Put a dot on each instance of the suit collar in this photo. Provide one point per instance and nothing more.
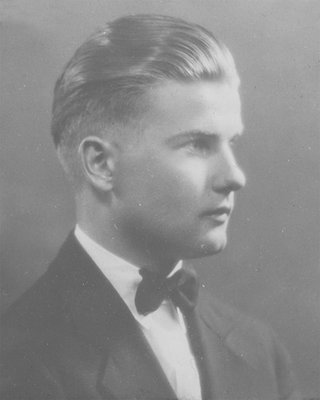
(123, 275)
(101, 318)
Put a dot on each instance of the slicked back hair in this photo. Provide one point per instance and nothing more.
(105, 80)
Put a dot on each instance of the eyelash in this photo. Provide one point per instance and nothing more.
(198, 145)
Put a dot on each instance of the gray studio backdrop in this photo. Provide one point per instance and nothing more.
(270, 269)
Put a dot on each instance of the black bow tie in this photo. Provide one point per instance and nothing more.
(182, 288)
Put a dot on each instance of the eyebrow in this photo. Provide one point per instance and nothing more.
(189, 135)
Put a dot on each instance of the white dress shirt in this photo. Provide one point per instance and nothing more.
(164, 328)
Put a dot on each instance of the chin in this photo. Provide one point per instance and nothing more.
(214, 245)
(206, 249)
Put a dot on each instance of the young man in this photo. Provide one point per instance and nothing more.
(145, 115)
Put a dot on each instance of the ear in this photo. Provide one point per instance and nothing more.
(98, 162)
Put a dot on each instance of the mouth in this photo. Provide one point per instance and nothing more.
(219, 214)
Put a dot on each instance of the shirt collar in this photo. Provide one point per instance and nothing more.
(123, 275)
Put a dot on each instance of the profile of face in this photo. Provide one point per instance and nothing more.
(174, 187)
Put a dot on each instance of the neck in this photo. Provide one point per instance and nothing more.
(99, 224)
(147, 257)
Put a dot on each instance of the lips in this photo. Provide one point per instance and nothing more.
(218, 211)
(219, 214)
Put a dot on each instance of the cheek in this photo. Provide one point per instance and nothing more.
(177, 185)
(164, 185)
(193, 175)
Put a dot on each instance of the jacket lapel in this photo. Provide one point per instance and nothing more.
(234, 357)
(127, 368)
(200, 350)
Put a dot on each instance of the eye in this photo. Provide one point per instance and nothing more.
(199, 146)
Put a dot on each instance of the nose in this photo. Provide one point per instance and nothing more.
(237, 179)
(229, 177)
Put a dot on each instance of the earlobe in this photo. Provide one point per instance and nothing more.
(98, 160)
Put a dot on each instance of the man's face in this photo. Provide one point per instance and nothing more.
(174, 187)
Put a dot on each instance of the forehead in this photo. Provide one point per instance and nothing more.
(208, 106)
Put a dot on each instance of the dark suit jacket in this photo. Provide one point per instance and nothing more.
(71, 337)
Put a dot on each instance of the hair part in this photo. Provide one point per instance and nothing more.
(104, 82)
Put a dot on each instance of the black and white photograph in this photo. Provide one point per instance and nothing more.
(160, 200)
